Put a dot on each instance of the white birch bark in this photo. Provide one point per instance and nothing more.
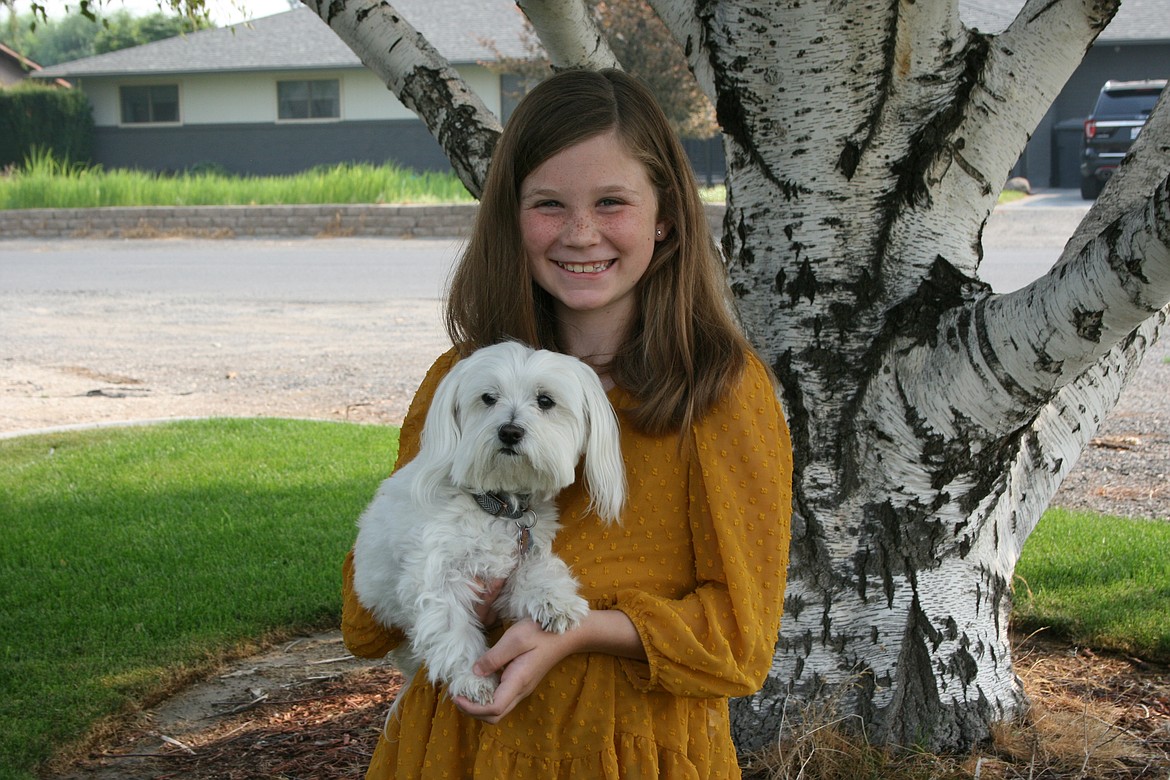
(569, 34)
(932, 420)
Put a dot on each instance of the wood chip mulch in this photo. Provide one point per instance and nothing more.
(319, 730)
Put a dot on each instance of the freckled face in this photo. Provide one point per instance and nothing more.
(588, 217)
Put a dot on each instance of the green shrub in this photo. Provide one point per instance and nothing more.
(50, 119)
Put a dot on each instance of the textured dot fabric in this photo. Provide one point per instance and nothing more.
(698, 564)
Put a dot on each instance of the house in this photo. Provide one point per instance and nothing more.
(15, 68)
(1135, 46)
(282, 93)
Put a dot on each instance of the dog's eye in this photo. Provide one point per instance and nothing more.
(488, 399)
(545, 401)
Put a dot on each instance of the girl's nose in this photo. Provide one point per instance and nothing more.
(581, 230)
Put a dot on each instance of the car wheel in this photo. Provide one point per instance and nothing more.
(1090, 187)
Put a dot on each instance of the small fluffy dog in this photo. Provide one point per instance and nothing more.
(503, 436)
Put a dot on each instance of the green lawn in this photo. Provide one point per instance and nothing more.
(131, 557)
(1098, 581)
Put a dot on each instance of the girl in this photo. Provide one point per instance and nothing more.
(591, 240)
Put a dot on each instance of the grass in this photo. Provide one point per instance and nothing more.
(135, 558)
(43, 182)
(1103, 582)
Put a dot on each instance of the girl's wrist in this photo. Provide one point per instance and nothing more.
(607, 631)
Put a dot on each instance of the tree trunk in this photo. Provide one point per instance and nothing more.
(932, 420)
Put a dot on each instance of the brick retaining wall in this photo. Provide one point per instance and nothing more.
(447, 221)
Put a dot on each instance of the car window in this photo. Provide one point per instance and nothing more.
(1130, 103)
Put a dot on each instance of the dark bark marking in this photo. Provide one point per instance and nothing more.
(804, 285)
(1088, 324)
(929, 143)
(944, 288)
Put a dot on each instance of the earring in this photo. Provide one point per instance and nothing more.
(658, 233)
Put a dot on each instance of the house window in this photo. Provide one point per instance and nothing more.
(309, 99)
(146, 104)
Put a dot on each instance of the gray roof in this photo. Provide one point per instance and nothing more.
(1137, 21)
(464, 31)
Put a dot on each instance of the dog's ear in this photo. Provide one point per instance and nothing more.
(605, 473)
(441, 432)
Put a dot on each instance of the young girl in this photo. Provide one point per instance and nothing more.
(591, 240)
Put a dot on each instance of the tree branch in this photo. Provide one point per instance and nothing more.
(1113, 274)
(684, 25)
(421, 78)
(1025, 68)
(569, 33)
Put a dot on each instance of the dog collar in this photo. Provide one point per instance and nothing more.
(500, 506)
(515, 510)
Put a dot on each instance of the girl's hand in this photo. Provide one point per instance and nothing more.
(485, 607)
(525, 654)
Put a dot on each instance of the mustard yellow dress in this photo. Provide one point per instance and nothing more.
(698, 564)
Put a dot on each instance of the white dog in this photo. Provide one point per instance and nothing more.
(503, 436)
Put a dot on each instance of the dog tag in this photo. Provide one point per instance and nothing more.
(523, 539)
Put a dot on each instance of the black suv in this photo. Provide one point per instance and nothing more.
(1121, 111)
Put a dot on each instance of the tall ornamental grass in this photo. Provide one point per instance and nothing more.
(42, 181)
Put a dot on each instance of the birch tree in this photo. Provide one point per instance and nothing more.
(932, 419)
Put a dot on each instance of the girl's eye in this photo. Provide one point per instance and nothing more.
(488, 399)
(545, 402)
(609, 202)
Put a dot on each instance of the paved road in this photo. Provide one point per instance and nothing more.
(344, 269)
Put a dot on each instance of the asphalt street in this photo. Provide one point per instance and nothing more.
(339, 270)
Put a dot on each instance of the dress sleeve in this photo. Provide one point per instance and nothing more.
(363, 634)
(719, 640)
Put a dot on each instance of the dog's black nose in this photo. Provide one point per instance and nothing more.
(510, 434)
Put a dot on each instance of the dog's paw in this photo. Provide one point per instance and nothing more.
(480, 690)
(559, 618)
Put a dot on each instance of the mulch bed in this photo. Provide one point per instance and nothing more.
(1096, 716)
(319, 730)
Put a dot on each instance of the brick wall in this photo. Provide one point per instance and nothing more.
(449, 221)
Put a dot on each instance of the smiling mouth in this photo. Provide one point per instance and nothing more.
(585, 268)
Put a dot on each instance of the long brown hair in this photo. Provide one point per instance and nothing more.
(684, 349)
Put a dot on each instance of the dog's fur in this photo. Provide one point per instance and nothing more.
(507, 420)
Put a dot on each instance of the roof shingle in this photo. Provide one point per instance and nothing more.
(464, 31)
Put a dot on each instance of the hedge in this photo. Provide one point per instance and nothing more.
(44, 118)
